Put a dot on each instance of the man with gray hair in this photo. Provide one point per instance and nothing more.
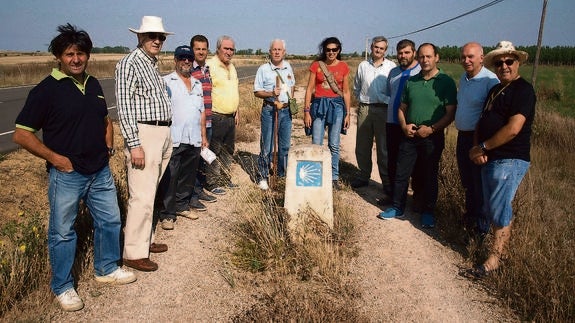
(474, 85)
(225, 113)
(274, 84)
(370, 89)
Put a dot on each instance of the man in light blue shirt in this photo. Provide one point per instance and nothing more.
(274, 84)
(188, 132)
(474, 85)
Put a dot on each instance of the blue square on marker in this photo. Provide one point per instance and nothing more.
(308, 173)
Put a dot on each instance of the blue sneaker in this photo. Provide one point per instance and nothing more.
(390, 213)
(427, 220)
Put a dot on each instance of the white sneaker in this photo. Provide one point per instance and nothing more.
(263, 184)
(117, 277)
(70, 301)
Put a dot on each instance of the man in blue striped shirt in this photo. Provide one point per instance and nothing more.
(145, 113)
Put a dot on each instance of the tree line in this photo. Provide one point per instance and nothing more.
(558, 55)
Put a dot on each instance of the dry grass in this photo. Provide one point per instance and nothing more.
(29, 69)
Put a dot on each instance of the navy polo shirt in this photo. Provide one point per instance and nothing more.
(71, 116)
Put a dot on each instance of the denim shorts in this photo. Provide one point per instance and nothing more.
(501, 179)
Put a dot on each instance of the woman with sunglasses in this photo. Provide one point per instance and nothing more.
(502, 145)
(327, 100)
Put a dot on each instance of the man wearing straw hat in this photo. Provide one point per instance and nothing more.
(145, 114)
(502, 146)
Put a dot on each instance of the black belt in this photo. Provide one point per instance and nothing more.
(379, 105)
(157, 123)
(223, 114)
(466, 133)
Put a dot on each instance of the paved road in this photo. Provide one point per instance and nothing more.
(12, 100)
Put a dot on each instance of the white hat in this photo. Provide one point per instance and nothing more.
(151, 24)
(504, 47)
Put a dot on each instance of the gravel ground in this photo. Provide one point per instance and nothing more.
(402, 272)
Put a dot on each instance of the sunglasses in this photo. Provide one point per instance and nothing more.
(332, 50)
(507, 62)
(183, 58)
(154, 36)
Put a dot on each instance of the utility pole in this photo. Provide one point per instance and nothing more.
(539, 40)
(366, 46)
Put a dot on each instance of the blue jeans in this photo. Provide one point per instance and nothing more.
(411, 150)
(501, 179)
(267, 140)
(470, 175)
(98, 191)
(333, 133)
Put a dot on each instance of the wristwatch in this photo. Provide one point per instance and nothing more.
(111, 151)
(482, 146)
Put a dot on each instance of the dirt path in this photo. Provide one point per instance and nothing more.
(402, 272)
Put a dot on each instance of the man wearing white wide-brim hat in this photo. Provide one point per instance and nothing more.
(145, 114)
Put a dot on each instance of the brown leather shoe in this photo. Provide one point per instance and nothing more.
(144, 264)
(158, 247)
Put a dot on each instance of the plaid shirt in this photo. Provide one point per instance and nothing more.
(203, 75)
(141, 94)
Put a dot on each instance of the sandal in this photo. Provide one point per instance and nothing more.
(477, 272)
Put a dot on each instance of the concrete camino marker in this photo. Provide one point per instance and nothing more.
(308, 184)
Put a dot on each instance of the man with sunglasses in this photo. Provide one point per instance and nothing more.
(145, 113)
(188, 137)
(502, 146)
(474, 85)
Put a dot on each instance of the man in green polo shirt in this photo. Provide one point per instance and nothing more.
(427, 107)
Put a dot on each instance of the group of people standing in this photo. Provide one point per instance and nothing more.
(166, 122)
(493, 114)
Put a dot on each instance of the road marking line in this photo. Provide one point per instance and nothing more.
(6, 133)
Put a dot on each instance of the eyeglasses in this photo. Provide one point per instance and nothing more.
(507, 62)
(332, 50)
(184, 58)
(154, 36)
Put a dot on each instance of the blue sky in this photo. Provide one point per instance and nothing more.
(30, 24)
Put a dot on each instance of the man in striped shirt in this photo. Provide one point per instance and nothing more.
(145, 114)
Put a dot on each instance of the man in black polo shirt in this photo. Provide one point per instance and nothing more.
(69, 107)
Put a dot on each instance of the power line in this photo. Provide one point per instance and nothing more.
(446, 21)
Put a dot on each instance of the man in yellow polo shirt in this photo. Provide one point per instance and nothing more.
(225, 116)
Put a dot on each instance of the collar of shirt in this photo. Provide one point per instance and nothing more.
(274, 67)
(59, 75)
(142, 53)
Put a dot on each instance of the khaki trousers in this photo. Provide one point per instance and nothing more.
(142, 184)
